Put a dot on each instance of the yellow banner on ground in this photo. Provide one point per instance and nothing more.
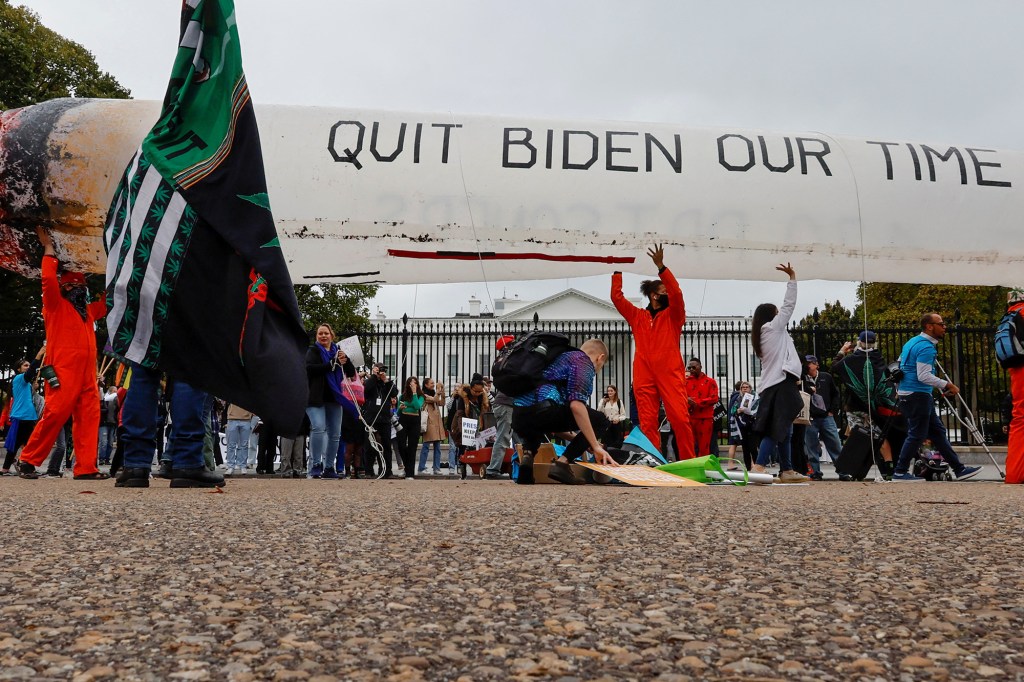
(638, 474)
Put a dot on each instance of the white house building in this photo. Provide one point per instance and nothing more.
(452, 349)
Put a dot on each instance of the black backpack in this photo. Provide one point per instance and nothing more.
(1009, 340)
(519, 366)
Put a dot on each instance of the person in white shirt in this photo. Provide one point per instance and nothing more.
(779, 388)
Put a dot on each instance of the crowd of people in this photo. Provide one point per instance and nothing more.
(361, 423)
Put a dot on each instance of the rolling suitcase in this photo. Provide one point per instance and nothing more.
(855, 459)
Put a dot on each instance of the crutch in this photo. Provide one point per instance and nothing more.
(968, 423)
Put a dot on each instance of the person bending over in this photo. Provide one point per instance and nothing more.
(559, 404)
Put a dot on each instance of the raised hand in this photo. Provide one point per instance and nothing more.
(657, 254)
(45, 239)
(787, 268)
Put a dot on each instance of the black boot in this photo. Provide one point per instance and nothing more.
(132, 478)
(196, 478)
(525, 469)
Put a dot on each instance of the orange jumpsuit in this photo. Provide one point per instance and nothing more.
(658, 368)
(71, 349)
(704, 391)
(1015, 446)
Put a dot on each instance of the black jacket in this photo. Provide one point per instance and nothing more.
(825, 386)
(374, 388)
(317, 371)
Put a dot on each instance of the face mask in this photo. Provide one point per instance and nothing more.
(79, 298)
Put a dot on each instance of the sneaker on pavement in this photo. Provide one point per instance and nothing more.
(792, 477)
(758, 469)
(230, 471)
(906, 477)
(845, 477)
(491, 476)
(330, 473)
(967, 472)
(316, 471)
(166, 470)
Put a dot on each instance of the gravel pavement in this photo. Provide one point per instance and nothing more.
(480, 580)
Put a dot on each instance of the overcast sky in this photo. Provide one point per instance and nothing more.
(931, 70)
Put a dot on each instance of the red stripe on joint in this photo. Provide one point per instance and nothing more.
(490, 255)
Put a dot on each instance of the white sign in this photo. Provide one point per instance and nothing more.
(469, 428)
(353, 350)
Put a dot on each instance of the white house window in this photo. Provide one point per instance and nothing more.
(721, 365)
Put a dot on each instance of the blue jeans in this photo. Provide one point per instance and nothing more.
(107, 432)
(821, 429)
(423, 456)
(238, 432)
(139, 416)
(59, 452)
(922, 423)
(324, 434)
(768, 444)
(188, 427)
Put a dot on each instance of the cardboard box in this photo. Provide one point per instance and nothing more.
(542, 463)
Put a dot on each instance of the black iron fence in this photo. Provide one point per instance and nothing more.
(451, 351)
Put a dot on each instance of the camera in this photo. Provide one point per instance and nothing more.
(48, 373)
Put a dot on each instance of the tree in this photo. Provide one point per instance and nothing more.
(343, 306)
(37, 64)
(834, 316)
(895, 305)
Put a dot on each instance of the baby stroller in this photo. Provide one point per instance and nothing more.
(930, 466)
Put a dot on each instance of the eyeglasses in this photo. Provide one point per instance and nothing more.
(939, 324)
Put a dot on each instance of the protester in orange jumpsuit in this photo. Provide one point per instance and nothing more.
(71, 351)
(658, 372)
(1015, 446)
(702, 393)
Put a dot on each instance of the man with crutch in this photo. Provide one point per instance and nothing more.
(917, 363)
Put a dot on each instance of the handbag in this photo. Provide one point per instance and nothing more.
(818, 407)
(424, 421)
(353, 388)
(804, 416)
(720, 411)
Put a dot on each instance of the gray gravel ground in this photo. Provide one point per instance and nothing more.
(447, 580)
